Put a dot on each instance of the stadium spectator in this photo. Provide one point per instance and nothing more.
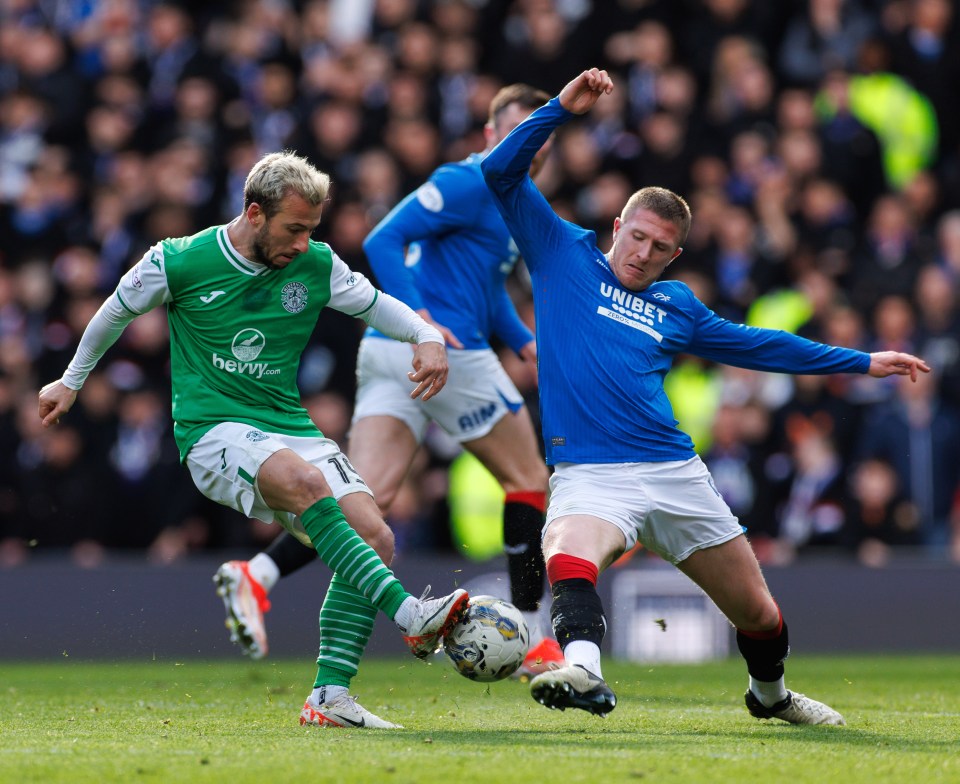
(226, 290)
(114, 156)
(879, 517)
(889, 255)
(918, 435)
(826, 35)
(607, 332)
(926, 52)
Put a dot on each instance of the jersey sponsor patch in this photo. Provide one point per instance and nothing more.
(632, 310)
(623, 317)
(255, 436)
(247, 344)
(293, 297)
(430, 197)
(135, 277)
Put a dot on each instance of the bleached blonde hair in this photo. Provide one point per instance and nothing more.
(278, 174)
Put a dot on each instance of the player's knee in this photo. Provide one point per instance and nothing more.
(381, 539)
(531, 477)
(311, 485)
(384, 496)
(541, 476)
(759, 616)
(295, 489)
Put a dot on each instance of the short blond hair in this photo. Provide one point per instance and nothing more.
(663, 203)
(523, 95)
(277, 175)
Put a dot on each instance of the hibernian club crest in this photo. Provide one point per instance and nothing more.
(293, 297)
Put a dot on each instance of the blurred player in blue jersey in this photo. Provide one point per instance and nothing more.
(607, 333)
(444, 251)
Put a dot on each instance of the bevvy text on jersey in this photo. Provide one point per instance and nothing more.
(632, 310)
(246, 347)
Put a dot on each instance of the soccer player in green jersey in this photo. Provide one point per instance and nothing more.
(242, 300)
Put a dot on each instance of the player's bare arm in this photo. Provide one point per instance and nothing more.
(896, 363)
(429, 370)
(56, 399)
(584, 91)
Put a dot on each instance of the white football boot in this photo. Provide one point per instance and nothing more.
(245, 601)
(432, 619)
(343, 712)
(795, 709)
(573, 686)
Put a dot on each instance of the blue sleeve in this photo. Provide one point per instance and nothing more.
(444, 203)
(538, 231)
(507, 324)
(771, 350)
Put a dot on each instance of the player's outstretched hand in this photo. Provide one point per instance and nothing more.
(896, 363)
(55, 401)
(429, 370)
(582, 93)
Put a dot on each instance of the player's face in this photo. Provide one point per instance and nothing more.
(512, 115)
(283, 236)
(643, 245)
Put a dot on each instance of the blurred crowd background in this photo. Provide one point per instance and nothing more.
(817, 141)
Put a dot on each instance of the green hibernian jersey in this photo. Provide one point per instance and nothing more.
(238, 329)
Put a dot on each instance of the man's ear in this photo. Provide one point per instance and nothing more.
(676, 253)
(255, 215)
(489, 134)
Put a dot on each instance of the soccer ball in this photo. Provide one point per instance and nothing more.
(491, 641)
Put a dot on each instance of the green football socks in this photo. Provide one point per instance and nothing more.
(344, 551)
(361, 585)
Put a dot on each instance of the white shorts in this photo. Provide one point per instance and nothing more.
(672, 508)
(477, 395)
(225, 462)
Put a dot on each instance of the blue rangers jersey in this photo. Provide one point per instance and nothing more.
(604, 350)
(458, 256)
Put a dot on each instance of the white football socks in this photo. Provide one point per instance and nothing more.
(584, 653)
(264, 571)
(326, 693)
(405, 613)
(768, 692)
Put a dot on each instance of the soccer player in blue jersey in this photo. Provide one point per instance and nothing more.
(444, 251)
(607, 333)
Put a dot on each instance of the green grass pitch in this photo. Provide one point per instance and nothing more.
(236, 721)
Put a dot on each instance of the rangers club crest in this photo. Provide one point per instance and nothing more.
(293, 297)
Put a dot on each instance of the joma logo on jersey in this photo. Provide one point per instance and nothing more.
(246, 347)
(478, 417)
